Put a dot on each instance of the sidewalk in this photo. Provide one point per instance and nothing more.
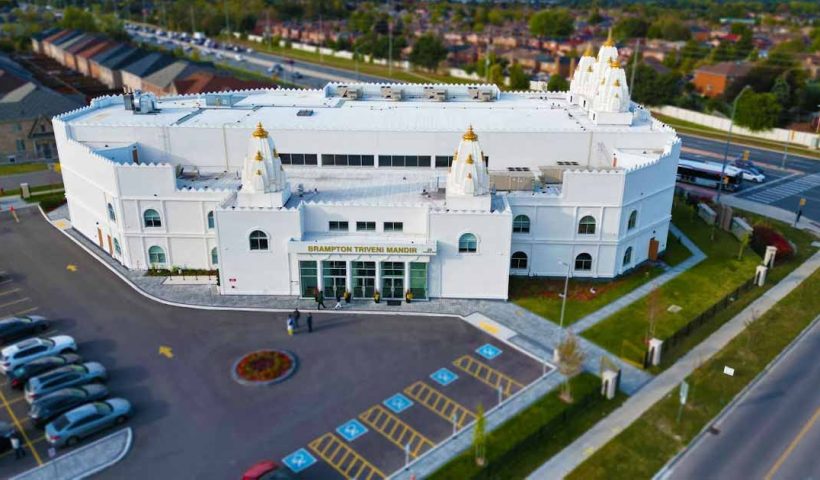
(573, 455)
(84, 461)
(771, 212)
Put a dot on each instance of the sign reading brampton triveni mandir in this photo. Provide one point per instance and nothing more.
(362, 249)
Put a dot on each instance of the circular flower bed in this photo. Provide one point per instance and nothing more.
(264, 367)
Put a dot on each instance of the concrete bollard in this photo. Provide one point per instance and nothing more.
(655, 346)
(768, 258)
(609, 384)
(760, 275)
(25, 191)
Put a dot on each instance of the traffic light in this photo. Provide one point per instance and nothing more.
(746, 154)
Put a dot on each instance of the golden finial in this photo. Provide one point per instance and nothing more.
(469, 159)
(470, 135)
(259, 172)
(609, 41)
(588, 51)
(260, 132)
(589, 69)
(615, 63)
(258, 156)
(469, 176)
(617, 82)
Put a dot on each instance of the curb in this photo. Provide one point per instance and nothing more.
(667, 469)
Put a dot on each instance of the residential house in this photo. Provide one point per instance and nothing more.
(713, 80)
(72, 51)
(205, 81)
(52, 43)
(161, 81)
(133, 73)
(84, 57)
(37, 39)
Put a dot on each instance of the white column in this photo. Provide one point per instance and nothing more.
(319, 278)
(406, 276)
(379, 277)
(349, 276)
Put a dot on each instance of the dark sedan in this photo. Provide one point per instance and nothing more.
(21, 374)
(46, 408)
(15, 328)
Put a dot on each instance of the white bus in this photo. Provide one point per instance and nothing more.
(709, 174)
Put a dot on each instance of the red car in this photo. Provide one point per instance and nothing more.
(267, 470)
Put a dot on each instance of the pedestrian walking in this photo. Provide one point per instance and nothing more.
(310, 322)
(799, 214)
(320, 300)
(290, 325)
(19, 452)
(338, 302)
(296, 315)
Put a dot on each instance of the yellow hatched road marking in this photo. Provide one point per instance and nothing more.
(431, 398)
(344, 459)
(488, 375)
(378, 418)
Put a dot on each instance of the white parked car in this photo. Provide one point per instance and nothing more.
(753, 175)
(238, 57)
(23, 352)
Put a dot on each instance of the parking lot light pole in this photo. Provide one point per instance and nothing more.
(729, 140)
(455, 427)
(500, 395)
(564, 302)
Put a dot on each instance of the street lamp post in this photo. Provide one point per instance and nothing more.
(564, 302)
(729, 140)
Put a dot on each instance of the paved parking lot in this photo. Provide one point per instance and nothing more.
(366, 387)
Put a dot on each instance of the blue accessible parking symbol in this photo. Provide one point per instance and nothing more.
(351, 430)
(488, 351)
(299, 460)
(398, 403)
(444, 376)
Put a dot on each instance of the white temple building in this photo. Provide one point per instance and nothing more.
(441, 190)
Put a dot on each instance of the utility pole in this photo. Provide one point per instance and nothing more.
(789, 138)
(487, 61)
(193, 21)
(390, 46)
(634, 66)
(728, 141)
(227, 24)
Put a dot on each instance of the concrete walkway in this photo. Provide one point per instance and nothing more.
(573, 455)
(771, 212)
(640, 292)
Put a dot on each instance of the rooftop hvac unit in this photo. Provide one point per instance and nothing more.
(390, 93)
(482, 95)
(435, 94)
(220, 100)
(144, 103)
(128, 100)
(348, 92)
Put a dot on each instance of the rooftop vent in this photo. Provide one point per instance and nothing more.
(220, 100)
(304, 113)
(480, 94)
(390, 93)
(435, 94)
(141, 103)
(348, 92)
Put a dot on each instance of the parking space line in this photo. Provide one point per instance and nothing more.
(12, 402)
(401, 434)
(3, 282)
(344, 459)
(20, 428)
(28, 310)
(440, 404)
(13, 302)
(487, 375)
(13, 290)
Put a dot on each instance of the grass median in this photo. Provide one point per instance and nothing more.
(513, 448)
(652, 440)
(15, 169)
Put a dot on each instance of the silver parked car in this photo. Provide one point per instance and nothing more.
(63, 377)
(33, 348)
(87, 420)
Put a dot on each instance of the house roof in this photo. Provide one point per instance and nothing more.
(84, 43)
(23, 99)
(726, 69)
(68, 40)
(203, 81)
(97, 48)
(148, 64)
(111, 53)
(61, 36)
(123, 58)
(45, 33)
(165, 76)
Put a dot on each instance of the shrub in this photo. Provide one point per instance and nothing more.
(764, 235)
(50, 202)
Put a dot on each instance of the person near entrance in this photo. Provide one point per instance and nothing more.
(320, 300)
(338, 302)
(310, 323)
(295, 316)
(17, 446)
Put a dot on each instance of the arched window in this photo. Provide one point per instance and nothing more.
(587, 225)
(467, 243)
(628, 256)
(156, 255)
(211, 220)
(151, 218)
(519, 261)
(258, 240)
(214, 256)
(521, 224)
(583, 262)
(117, 248)
(633, 220)
(111, 215)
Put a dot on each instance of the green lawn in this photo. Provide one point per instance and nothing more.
(513, 443)
(542, 295)
(675, 252)
(652, 440)
(695, 290)
(13, 169)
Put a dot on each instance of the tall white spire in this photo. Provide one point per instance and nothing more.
(264, 183)
(468, 182)
(613, 93)
(582, 85)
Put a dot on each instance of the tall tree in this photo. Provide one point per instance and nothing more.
(757, 111)
(519, 80)
(555, 22)
(428, 52)
(557, 83)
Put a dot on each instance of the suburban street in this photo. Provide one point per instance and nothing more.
(772, 432)
(43, 177)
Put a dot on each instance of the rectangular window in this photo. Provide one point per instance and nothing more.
(308, 278)
(418, 279)
(393, 226)
(354, 160)
(364, 279)
(298, 158)
(21, 145)
(311, 159)
(336, 226)
(334, 274)
(285, 158)
(424, 160)
(384, 160)
(365, 226)
(368, 160)
(327, 159)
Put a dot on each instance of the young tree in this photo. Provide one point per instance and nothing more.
(497, 74)
(519, 80)
(630, 27)
(555, 22)
(480, 437)
(570, 362)
(557, 83)
(428, 52)
(757, 111)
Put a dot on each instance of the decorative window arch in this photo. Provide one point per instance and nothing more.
(518, 261)
(583, 262)
(258, 240)
(633, 220)
(628, 256)
(156, 255)
(467, 243)
(211, 222)
(151, 218)
(214, 256)
(111, 215)
(587, 225)
(521, 224)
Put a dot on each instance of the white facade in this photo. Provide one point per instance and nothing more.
(349, 189)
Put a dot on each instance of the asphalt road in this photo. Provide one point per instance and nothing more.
(43, 177)
(774, 430)
(191, 419)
